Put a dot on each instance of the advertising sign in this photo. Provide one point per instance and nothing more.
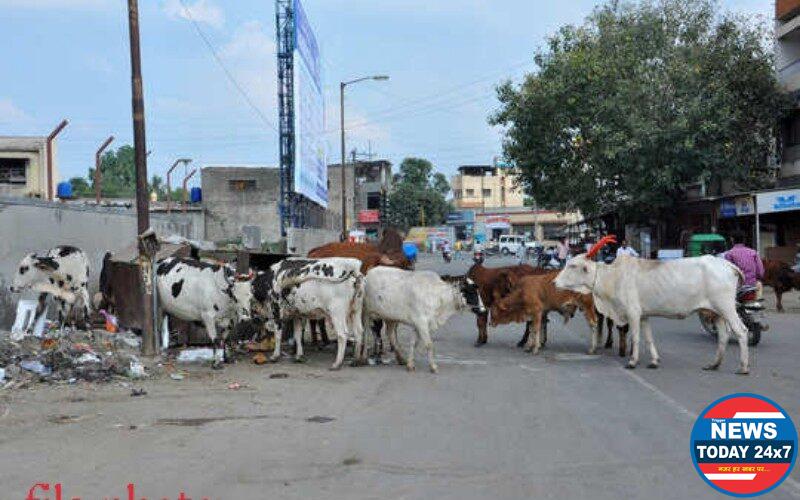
(741, 205)
(369, 216)
(778, 201)
(310, 165)
(744, 445)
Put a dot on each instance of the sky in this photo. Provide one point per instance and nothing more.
(70, 59)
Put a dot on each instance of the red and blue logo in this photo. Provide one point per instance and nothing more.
(744, 445)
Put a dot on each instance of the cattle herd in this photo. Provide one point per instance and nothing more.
(354, 290)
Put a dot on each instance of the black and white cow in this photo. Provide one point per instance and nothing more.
(194, 290)
(299, 289)
(62, 273)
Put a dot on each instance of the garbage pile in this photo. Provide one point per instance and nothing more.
(96, 356)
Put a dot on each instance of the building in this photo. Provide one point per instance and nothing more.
(482, 186)
(367, 186)
(787, 61)
(23, 167)
(238, 196)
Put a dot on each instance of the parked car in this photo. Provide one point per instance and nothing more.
(509, 244)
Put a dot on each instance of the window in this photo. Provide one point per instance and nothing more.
(242, 184)
(456, 194)
(487, 193)
(470, 192)
(12, 171)
(373, 201)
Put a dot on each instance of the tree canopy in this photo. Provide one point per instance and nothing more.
(418, 196)
(119, 178)
(639, 101)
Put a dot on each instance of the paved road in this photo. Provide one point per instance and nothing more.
(494, 423)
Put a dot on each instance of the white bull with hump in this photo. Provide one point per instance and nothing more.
(631, 291)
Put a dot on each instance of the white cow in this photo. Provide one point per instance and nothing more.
(300, 289)
(420, 299)
(632, 290)
(63, 273)
(193, 290)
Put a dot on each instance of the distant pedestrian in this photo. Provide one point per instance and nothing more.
(521, 254)
(624, 249)
(562, 252)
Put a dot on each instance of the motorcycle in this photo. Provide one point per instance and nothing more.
(447, 256)
(751, 312)
(477, 256)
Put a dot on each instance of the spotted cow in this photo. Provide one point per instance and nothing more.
(194, 290)
(299, 289)
(62, 273)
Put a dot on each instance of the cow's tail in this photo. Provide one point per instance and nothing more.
(355, 308)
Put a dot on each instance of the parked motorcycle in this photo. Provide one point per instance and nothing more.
(751, 312)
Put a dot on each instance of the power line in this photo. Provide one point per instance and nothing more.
(227, 72)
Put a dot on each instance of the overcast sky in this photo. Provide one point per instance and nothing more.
(69, 59)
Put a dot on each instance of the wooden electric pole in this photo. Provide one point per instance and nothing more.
(145, 239)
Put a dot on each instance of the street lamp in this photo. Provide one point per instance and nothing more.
(342, 85)
(185, 162)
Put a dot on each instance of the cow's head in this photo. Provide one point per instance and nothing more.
(578, 275)
(31, 270)
(469, 292)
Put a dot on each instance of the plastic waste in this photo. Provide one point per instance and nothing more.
(87, 357)
(26, 314)
(35, 366)
(199, 354)
(136, 369)
(165, 333)
(2, 374)
(112, 323)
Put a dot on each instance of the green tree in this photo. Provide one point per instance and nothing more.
(118, 173)
(80, 187)
(418, 195)
(642, 99)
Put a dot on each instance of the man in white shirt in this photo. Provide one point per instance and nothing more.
(624, 249)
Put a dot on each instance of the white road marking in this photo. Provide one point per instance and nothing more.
(659, 393)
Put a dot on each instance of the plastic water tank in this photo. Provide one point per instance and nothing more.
(196, 195)
(64, 190)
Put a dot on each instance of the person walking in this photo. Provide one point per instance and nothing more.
(562, 252)
(624, 249)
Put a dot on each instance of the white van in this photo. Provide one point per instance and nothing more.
(509, 244)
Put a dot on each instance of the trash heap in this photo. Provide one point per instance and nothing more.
(96, 356)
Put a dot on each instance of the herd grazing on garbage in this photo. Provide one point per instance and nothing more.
(356, 290)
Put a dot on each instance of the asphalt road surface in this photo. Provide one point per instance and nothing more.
(494, 423)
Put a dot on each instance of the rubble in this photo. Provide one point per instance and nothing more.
(69, 357)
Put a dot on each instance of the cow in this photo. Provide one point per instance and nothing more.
(493, 284)
(62, 272)
(420, 299)
(198, 291)
(781, 278)
(622, 334)
(387, 252)
(632, 290)
(532, 297)
(298, 289)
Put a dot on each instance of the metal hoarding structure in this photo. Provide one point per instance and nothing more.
(301, 113)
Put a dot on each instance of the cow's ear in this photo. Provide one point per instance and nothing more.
(46, 264)
(585, 268)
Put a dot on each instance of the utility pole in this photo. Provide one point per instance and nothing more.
(147, 248)
(344, 191)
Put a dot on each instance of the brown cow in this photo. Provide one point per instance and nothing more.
(493, 284)
(781, 278)
(533, 296)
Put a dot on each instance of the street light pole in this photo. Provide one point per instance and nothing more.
(342, 86)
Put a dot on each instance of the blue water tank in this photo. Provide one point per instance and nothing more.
(64, 190)
(196, 195)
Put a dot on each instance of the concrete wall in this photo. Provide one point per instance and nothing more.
(36, 226)
(228, 207)
(300, 241)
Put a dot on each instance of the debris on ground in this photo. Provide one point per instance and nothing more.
(195, 355)
(96, 356)
(278, 375)
(235, 386)
(138, 392)
(176, 376)
(260, 358)
(265, 345)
